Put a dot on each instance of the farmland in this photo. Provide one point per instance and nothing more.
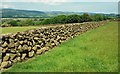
(93, 51)
(6, 30)
(59, 36)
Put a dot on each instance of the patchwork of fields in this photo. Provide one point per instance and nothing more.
(93, 51)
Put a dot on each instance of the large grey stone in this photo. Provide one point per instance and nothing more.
(25, 41)
(13, 50)
(21, 42)
(33, 42)
(19, 47)
(36, 38)
(6, 64)
(23, 56)
(17, 44)
(5, 44)
(18, 59)
(34, 48)
(11, 45)
(39, 52)
(42, 50)
(11, 40)
(31, 54)
(25, 47)
(4, 50)
(29, 48)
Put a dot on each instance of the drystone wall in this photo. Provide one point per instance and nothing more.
(24, 45)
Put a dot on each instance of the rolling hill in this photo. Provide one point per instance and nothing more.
(6, 13)
(17, 13)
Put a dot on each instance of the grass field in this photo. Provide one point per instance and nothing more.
(93, 51)
(16, 29)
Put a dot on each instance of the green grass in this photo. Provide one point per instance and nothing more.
(16, 29)
(93, 51)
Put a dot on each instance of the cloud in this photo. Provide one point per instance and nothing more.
(50, 2)
(5, 6)
(56, 1)
(93, 0)
(35, 1)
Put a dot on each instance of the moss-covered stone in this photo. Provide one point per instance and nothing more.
(12, 50)
(14, 60)
(12, 56)
(6, 57)
(6, 64)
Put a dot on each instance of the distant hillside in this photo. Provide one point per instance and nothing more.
(10, 13)
(16, 13)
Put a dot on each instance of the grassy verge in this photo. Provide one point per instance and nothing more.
(93, 51)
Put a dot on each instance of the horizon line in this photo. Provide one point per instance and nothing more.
(61, 11)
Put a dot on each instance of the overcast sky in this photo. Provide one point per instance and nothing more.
(102, 6)
(60, 0)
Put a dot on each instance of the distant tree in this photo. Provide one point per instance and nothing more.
(59, 19)
(86, 17)
(73, 18)
(62, 19)
(80, 19)
(13, 23)
(29, 22)
(97, 17)
(46, 21)
(105, 17)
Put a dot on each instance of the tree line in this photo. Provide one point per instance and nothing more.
(61, 19)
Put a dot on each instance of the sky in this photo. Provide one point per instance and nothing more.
(60, 0)
(97, 6)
